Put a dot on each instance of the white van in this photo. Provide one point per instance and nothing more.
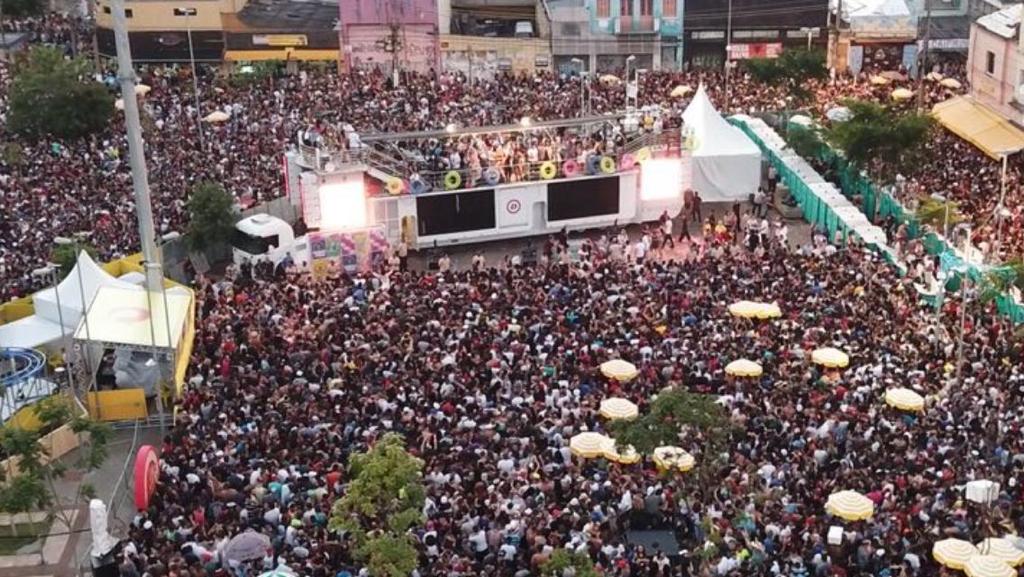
(263, 237)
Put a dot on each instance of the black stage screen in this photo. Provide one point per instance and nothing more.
(583, 198)
(458, 212)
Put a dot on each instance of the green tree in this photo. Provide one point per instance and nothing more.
(65, 255)
(212, 216)
(21, 8)
(880, 139)
(13, 155)
(934, 212)
(565, 563)
(381, 503)
(55, 96)
(678, 413)
(805, 141)
(793, 68)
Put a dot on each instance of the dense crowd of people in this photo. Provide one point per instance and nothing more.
(487, 372)
(54, 188)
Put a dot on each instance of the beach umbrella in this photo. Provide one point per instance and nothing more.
(217, 116)
(839, 114)
(1003, 549)
(588, 445)
(850, 505)
(902, 94)
(681, 91)
(904, 399)
(878, 80)
(743, 368)
(769, 311)
(247, 546)
(953, 553)
(893, 75)
(142, 89)
(830, 357)
(618, 408)
(609, 79)
(754, 310)
(987, 566)
(673, 458)
(934, 76)
(626, 455)
(950, 83)
(620, 370)
(801, 120)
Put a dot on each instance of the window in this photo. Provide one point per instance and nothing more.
(626, 7)
(106, 9)
(128, 13)
(990, 62)
(646, 7)
(604, 8)
(668, 8)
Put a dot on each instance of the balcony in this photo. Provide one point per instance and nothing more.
(637, 25)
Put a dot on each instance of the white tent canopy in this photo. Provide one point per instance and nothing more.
(136, 318)
(726, 164)
(30, 332)
(92, 276)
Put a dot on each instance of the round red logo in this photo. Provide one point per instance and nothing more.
(513, 206)
(129, 314)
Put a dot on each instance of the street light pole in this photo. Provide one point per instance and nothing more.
(137, 158)
(188, 13)
(728, 56)
(631, 58)
(965, 280)
(582, 97)
(999, 210)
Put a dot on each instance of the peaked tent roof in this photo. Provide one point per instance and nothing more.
(70, 293)
(714, 135)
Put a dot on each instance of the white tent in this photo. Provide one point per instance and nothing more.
(92, 276)
(726, 164)
(31, 332)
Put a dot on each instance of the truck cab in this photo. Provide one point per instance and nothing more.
(262, 237)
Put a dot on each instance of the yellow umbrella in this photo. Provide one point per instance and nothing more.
(879, 80)
(217, 116)
(625, 456)
(987, 566)
(934, 76)
(769, 311)
(681, 91)
(953, 553)
(902, 94)
(950, 83)
(618, 408)
(743, 368)
(904, 400)
(610, 79)
(673, 458)
(745, 309)
(850, 505)
(1002, 549)
(588, 445)
(142, 89)
(830, 357)
(619, 370)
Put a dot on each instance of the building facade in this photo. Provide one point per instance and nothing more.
(995, 65)
(390, 34)
(158, 30)
(758, 28)
(603, 34)
(481, 38)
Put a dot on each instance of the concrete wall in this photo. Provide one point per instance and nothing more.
(488, 56)
(998, 89)
(153, 15)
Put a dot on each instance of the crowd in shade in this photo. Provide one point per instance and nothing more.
(60, 188)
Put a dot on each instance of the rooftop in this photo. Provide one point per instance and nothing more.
(290, 14)
(1004, 22)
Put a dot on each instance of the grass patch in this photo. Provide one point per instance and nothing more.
(26, 534)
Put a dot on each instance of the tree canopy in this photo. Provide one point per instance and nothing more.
(22, 8)
(383, 500)
(212, 216)
(880, 137)
(55, 96)
(565, 563)
(792, 66)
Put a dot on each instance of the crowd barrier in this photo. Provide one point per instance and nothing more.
(820, 207)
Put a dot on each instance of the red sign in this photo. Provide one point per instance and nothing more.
(762, 50)
(147, 472)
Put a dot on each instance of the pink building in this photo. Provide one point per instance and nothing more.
(386, 33)
(995, 64)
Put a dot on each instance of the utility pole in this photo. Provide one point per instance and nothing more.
(392, 45)
(836, 25)
(188, 13)
(136, 157)
(728, 55)
(924, 53)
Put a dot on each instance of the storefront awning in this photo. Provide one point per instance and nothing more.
(308, 54)
(982, 127)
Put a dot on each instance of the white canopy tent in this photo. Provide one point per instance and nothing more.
(726, 164)
(44, 327)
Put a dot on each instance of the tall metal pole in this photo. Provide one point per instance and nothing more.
(924, 53)
(999, 211)
(728, 58)
(964, 281)
(136, 157)
(195, 77)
